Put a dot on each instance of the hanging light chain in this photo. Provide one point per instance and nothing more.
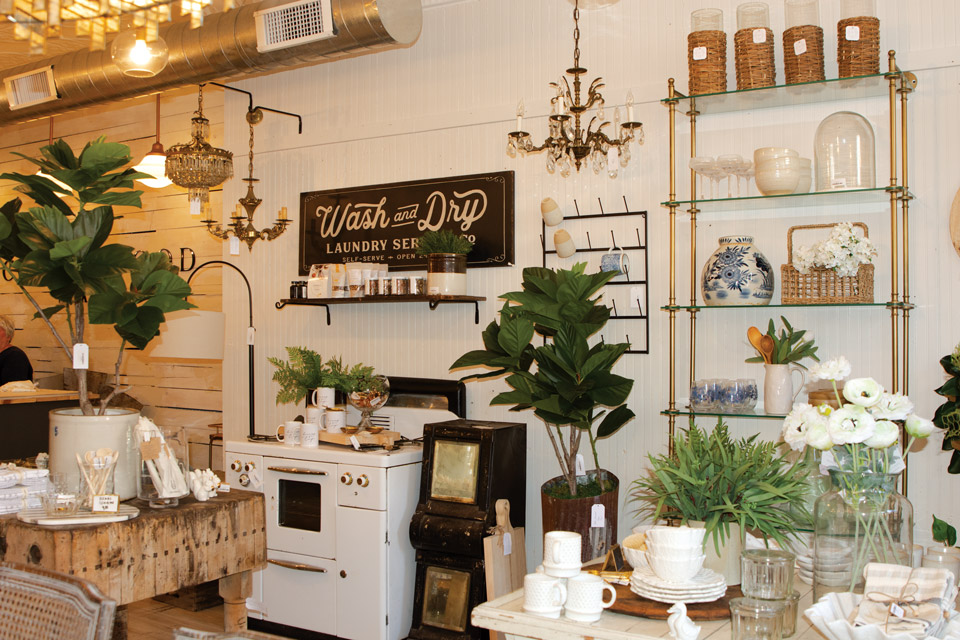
(250, 164)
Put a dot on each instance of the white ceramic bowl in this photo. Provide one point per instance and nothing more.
(776, 181)
(673, 550)
(806, 176)
(676, 569)
(679, 536)
(634, 550)
(766, 153)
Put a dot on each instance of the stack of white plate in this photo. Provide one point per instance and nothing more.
(706, 586)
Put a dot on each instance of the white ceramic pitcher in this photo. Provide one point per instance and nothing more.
(778, 393)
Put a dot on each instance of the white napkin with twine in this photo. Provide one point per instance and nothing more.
(899, 599)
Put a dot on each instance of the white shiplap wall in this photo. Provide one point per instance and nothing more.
(444, 106)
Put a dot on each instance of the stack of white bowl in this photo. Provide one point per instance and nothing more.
(780, 171)
(675, 554)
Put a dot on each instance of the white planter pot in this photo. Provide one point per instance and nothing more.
(71, 433)
(727, 562)
(446, 274)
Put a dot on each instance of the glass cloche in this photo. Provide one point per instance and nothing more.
(844, 150)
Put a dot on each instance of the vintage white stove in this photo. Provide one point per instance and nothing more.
(339, 556)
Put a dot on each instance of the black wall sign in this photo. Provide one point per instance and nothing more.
(382, 223)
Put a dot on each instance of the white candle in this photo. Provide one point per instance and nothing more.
(520, 116)
(283, 213)
(630, 106)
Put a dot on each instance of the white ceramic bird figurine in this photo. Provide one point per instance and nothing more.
(681, 626)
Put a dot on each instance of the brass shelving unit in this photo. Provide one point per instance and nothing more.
(896, 85)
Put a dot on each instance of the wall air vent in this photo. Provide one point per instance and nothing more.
(293, 24)
(30, 88)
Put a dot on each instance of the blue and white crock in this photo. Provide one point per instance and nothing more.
(737, 274)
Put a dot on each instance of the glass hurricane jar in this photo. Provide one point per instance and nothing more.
(861, 519)
(164, 468)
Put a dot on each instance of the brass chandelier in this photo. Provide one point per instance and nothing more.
(35, 21)
(568, 145)
(197, 165)
(241, 225)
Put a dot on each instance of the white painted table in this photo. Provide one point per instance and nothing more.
(506, 614)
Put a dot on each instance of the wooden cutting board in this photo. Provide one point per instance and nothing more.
(633, 605)
(505, 557)
(955, 222)
(387, 439)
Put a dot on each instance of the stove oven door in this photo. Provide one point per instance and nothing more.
(301, 499)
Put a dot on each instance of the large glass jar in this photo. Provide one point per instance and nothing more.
(844, 148)
(164, 467)
(861, 519)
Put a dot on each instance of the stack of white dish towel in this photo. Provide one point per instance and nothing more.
(20, 488)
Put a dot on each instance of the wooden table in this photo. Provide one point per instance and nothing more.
(159, 551)
(506, 614)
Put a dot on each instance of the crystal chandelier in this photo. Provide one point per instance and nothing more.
(242, 226)
(35, 21)
(569, 145)
(197, 165)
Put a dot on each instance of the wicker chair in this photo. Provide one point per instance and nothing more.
(39, 603)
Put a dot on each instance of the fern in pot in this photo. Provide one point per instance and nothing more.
(446, 255)
(59, 247)
(727, 486)
(572, 390)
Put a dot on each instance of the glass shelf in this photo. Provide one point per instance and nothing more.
(870, 86)
(877, 195)
(740, 414)
(898, 305)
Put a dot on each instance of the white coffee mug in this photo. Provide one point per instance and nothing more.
(561, 554)
(564, 244)
(314, 414)
(334, 420)
(289, 433)
(309, 435)
(543, 595)
(323, 397)
(551, 212)
(585, 600)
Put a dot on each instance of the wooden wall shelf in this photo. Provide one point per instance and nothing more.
(432, 302)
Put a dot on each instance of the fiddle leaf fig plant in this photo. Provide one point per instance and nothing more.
(573, 385)
(947, 415)
(60, 246)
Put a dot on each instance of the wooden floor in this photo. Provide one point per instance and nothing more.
(152, 620)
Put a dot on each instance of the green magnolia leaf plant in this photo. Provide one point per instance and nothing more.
(573, 384)
(60, 246)
(943, 532)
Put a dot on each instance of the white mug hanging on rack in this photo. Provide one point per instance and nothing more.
(564, 244)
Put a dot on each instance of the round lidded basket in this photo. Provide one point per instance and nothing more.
(802, 42)
(753, 47)
(858, 38)
(707, 52)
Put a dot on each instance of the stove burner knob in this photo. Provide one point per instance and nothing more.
(346, 478)
(343, 574)
(236, 465)
(244, 480)
(248, 467)
(363, 480)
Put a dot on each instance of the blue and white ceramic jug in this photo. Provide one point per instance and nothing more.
(737, 274)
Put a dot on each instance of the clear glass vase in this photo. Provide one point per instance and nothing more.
(861, 519)
(164, 467)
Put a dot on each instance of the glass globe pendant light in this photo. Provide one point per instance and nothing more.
(135, 56)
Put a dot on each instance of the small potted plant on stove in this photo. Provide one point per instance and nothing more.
(573, 386)
(446, 255)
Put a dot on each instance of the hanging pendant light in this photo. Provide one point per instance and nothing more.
(154, 163)
(197, 165)
(138, 54)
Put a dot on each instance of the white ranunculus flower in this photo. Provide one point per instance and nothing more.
(892, 406)
(794, 426)
(918, 427)
(850, 424)
(818, 436)
(833, 369)
(885, 434)
(864, 392)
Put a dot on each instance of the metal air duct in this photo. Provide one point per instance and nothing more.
(224, 46)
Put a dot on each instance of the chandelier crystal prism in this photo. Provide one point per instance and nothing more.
(197, 165)
(568, 144)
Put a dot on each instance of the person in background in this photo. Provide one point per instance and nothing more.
(14, 363)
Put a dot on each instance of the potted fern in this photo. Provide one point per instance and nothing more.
(59, 246)
(726, 486)
(446, 255)
(573, 388)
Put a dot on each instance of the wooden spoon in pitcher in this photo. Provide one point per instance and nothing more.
(756, 339)
(766, 348)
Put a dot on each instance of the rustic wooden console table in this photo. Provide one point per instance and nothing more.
(159, 551)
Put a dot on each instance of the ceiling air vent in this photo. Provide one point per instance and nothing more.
(293, 24)
(33, 87)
